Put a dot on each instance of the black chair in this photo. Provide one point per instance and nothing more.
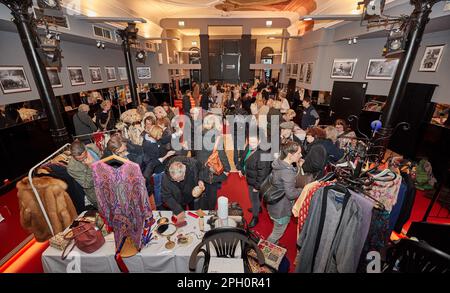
(225, 241)
(409, 256)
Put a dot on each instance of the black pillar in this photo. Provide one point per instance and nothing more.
(130, 71)
(420, 18)
(246, 48)
(28, 37)
(204, 57)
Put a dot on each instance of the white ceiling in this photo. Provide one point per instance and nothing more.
(155, 10)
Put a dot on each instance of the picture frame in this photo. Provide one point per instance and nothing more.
(301, 76)
(122, 73)
(13, 79)
(431, 58)
(381, 69)
(110, 73)
(53, 75)
(76, 75)
(144, 72)
(343, 68)
(96, 74)
(309, 72)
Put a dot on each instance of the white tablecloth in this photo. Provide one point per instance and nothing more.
(154, 258)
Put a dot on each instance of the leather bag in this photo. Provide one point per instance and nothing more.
(86, 237)
(214, 163)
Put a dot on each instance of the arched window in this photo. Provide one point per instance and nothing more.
(265, 53)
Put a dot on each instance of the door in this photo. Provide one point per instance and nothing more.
(230, 68)
(347, 98)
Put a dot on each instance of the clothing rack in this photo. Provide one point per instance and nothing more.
(36, 194)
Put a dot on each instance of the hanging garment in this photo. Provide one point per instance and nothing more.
(395, 213)
(327, 241)
(123, 200)
(408, 203)
(56, 201)
(386, 192)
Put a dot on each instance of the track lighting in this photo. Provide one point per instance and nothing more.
(350, 41)
(141, 56)
(355, 40)
(99, 44)
(103, 46)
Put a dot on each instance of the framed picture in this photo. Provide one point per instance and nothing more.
(110, 74)
(381, 68)
(53, 75)
(309, 72)
(295, 70)
(96, 74)
(431, 58)
(144, 72)
(288, 69)
(76, 75)
(14, 80)
(301, 76)
(122, 73)
(343, 68)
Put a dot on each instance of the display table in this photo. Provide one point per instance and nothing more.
(154, 258)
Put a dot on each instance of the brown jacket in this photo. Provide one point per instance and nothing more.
(56, 201)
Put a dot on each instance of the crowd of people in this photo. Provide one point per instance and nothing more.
(183, 179)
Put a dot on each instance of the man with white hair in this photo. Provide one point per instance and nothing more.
(178, 182)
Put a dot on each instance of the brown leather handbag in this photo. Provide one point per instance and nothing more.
(85, 237)
(214, 163)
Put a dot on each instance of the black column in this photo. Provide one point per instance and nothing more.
(130, 70)
(204, 57)
(246, 44)
(420, 18)
(22, 19)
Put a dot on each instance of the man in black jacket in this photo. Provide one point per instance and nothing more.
(179, 179)
(255, 170)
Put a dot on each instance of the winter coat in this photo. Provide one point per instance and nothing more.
(102, 118)
(57, 203)
(315, 160)
(83, 124)
(152, 152)
(177, 195)
(256, 170)
(283, 176)
(207, 175)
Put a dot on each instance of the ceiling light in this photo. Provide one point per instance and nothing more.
(141, 56)
(307, 19)
(181, 23)
(194, 43)
(103, 46)
(271, 38)
(350, 41)
(355, 40)
(99, 44)
(268, 23)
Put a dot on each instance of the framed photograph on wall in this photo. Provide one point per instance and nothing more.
(301, 76)
(14, 80)
(144, 72)
(53, 75)
(431, 58)
(295, 69)
(122, 73)
(381, 68)
(96, 74)
(309, 72)
(76, 76)
(343, 68)
(110, 74)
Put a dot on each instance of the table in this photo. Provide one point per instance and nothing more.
(154, 258)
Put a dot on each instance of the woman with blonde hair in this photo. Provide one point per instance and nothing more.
(105, 119)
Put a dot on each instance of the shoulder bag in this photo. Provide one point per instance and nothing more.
(214, 163)
(85, 237)
(271, 194)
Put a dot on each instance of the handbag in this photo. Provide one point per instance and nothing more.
(85, 237)
(234, 209)
(214, 163)
(271, 194)
(303, 179)
(58, 241)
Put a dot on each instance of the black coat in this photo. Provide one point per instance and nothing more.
(256, 170)
(102, 118)
(204, 102)
(152, 152)
(315, 160)
(177, 195)
(205, 174)
(186, 105)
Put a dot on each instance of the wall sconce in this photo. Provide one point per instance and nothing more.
(181, 23)
(269, 23)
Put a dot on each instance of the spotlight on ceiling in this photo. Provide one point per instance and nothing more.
(103, 46)
(269, 23)
(181, 23)
(307, 19)
(350, 41)
(141, 56)
(396, 42)
(355, 40)
(99, 44)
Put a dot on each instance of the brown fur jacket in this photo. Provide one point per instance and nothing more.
(56, 201)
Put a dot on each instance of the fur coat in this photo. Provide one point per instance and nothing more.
(57, 203)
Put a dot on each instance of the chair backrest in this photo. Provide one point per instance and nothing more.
(409, 256)
(224, 240)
